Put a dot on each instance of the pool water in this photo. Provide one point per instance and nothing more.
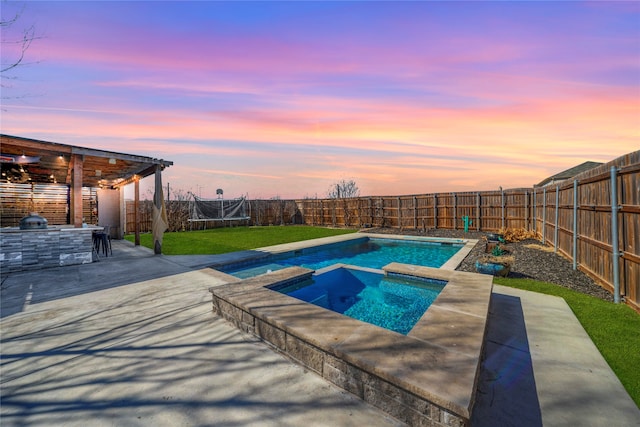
(371, 253)
(394, 303)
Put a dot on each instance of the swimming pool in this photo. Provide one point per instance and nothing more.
(395, 303)
(363, 252)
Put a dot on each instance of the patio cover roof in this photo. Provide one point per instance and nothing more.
(52, 162)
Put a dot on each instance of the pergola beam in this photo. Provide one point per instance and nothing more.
(101, 168)
(51, 147)
(140, 174)
(118, 156)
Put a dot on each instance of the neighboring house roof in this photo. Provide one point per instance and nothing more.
(568, 174)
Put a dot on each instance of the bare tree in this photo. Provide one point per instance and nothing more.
(178, 210)
(259, 209)
(343, 189)
(15, 42)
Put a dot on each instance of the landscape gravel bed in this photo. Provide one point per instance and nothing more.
(533, 260)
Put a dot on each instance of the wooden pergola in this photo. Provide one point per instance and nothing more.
(44, 162)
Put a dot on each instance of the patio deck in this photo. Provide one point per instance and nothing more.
(132, 340)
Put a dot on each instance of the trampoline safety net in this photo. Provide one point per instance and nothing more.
(219, 209)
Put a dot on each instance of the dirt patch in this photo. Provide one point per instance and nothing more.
(539, 247)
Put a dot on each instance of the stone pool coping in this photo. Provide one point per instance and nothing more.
(256, 255)
(426, 377)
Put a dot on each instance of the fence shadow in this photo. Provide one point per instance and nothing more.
(506, 394)
(152, 356)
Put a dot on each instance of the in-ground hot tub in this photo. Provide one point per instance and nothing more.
(427, 377)
(393, 302)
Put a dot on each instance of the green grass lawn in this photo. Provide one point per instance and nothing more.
(613, 328)
(223, 240)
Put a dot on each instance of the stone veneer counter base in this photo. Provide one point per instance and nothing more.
(427, 377)
(54, 246)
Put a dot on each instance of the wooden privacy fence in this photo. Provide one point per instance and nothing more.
(274, 212)
(481, 211)
(144, 216)
(177, 214)
(261, 212)
(485, 211)
(594, 220)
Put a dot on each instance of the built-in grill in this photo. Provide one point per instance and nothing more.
(33, 222)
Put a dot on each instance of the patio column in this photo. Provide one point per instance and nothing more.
(76, 191)
(136, 209)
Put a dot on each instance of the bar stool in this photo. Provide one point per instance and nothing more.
(102, 240)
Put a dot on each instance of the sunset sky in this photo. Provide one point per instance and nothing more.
(283, 99)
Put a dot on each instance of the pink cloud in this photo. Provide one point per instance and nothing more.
(405, 104)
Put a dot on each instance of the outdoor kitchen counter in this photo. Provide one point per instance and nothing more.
(53, 246)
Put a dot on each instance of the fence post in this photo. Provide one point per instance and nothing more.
(575, 224)
(555, 232)
(614, 235)
(415, 212)
(478, 211)
(544, 215)
(455, 211)
(526, 210)
(399, 215)
(435, 211)
(333, 213)
(535, 206)
(502, 206)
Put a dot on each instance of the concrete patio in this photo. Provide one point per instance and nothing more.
(131, 340)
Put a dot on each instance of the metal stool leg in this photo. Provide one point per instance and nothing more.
(105, 244)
